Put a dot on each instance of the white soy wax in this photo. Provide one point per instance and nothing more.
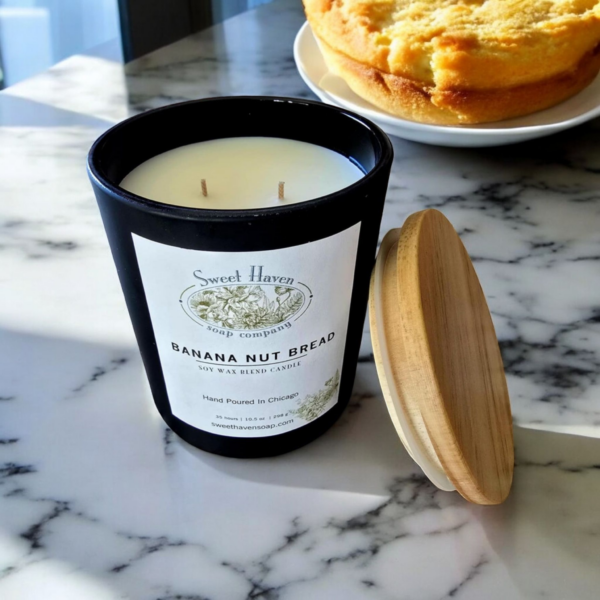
(242, 173)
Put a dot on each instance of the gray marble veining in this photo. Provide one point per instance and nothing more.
(99, 500)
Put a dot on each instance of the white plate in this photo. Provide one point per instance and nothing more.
(334, 90)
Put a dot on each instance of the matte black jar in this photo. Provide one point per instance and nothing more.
(245, 390)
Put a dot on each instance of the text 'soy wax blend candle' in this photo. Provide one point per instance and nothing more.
(244, 232)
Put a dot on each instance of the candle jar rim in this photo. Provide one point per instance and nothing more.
(382, 149)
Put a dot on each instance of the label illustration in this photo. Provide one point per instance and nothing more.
(251, 343)
(247, 307)
(314, 405)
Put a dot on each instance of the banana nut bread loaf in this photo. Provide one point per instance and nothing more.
(460, 61)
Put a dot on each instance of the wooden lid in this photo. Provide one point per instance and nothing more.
(438, 360)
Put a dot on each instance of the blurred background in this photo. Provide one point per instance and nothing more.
(36, 34)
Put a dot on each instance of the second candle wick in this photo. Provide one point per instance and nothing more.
(204, 188)
(281, 184)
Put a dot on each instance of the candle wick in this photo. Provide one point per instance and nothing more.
(281, 184)
(204, 188)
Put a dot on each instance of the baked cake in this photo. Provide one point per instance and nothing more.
(460, 61)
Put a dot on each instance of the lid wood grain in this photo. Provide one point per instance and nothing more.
(445, 360)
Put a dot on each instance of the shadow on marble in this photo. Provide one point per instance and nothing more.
(361, 453)
(545, 537)
(22, 112)
(93, 484)
(550, 524)
(76, 424)
(78, 427)
(85, 84)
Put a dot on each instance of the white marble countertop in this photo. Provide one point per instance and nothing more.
(98, 500)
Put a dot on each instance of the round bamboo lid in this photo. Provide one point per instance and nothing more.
(438, 360)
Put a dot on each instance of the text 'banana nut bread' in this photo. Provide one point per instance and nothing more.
(460, 61)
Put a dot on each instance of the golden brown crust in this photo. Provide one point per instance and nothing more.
(460, 61)
(409, 99)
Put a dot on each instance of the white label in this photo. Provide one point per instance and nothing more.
(251, 343)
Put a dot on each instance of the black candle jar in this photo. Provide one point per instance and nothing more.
(251, 389)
